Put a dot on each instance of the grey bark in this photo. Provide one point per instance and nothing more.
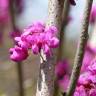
(45, 83)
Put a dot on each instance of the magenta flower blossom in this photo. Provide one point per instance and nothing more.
(88, 56)
(64, 82)
(93, 15)
(62, 68)
(62, 71)
(38, 37)
(4, 15)
(84, 78)
(18, 54)
(92, 92)
(92, 67)
(80, 91)
(16, 33)
(72, 2)
(88, 81)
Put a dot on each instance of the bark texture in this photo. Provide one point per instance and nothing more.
(65, 17)
(45, 84)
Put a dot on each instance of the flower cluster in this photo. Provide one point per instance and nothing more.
(87, 81)
(88, 56)
(86, 85)
(35, 37)
(62, 71)
(93, 15)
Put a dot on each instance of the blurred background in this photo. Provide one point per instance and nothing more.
(32, 10)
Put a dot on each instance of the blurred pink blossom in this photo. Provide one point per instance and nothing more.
(87, 80)
(92, 92)
(62, 71)
(4, 11)
(80, 91)
(93, 15)
(88, 57)
(64, 82)
(15, 33)
(62, 68)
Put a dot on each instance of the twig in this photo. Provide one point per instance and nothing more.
(19, 64)
(80, 51)
(65, 15)
(60, 55)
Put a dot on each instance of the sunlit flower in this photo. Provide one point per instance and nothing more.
(37, 37)
(18, 54)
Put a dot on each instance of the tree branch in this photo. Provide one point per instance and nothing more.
(80, 50)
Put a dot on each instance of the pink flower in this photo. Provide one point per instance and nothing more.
(92, 92)
(62, 68)
(93, 15)
(88, 56)
(40, 37)
(80, 91)
(92, 67)
(18, 54)
(63, 83)
(84, 78)
(14, 34)
(4, 15)
(22, 43)
(37, 37)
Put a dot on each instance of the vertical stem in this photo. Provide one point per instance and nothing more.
(45, 83)
(19, 64)
(65, 15)
(20, 78)
(12, 13)
(60, 55)
(80, 50)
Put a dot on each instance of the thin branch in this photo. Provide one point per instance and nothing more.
(20, 78)
(65, 15)
(60, 55)
(80, 50)
(19, 64)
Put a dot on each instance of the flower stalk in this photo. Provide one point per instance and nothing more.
(80, 50)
